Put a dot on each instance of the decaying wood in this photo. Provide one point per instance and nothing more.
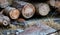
(3, 3)
(13, 13)
(42, 8)
(4, 20)
(26, 9)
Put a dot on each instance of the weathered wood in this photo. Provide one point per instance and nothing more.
(26, 9)
(42, 8)
(13, 13)
(4, 20)
(3, 3)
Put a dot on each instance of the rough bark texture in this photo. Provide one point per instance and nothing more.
(26, 9)
(42, 8)
(13, 13)
(3, 3)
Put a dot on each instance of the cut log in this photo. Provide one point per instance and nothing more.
(55, 3)
(42, 8)
(26, 9)
(13, 13)
(3, 3)
(4, 20)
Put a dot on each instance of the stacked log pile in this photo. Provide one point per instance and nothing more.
(14, 13)
(19, 10)
(26, 9)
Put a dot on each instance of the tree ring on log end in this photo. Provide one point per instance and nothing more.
(43, 9)
(28, 10)
(14, 14)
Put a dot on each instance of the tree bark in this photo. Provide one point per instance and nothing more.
(13, 13)
(26, 9)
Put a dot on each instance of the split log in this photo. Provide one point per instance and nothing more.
(3, 3)
(42, 8)
(26, 9)
(13, 13)
(4, 20)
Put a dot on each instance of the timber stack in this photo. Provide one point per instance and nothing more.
(27, 9)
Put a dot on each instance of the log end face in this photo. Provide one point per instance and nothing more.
(14, 14)
(44, 9)
(28, 11)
